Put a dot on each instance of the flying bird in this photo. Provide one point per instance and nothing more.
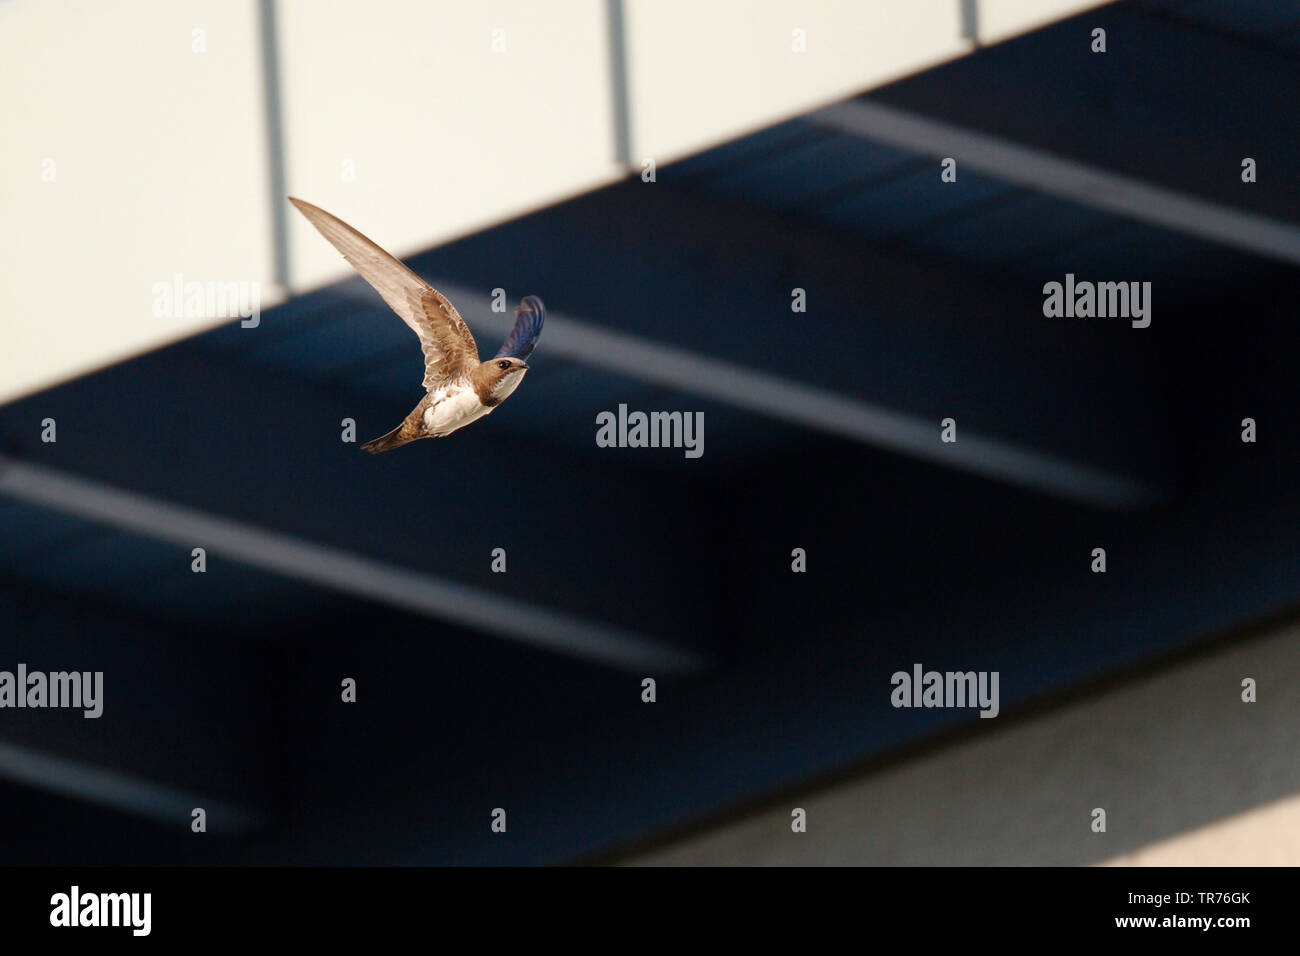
(459, 388)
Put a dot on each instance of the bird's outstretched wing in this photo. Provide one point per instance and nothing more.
(450, 351)
(522, 339)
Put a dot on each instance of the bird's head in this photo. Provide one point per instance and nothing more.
(500, 368)
(497, 378)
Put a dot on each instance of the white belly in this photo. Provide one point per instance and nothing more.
(453, 407)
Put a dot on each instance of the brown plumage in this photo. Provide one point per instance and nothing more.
(459, 387)
(408, 431)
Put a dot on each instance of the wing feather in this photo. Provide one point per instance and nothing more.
(529, 317)
(450, 351)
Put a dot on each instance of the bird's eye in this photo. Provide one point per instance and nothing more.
(503, 365)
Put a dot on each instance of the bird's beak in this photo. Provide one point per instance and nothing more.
(525, 366)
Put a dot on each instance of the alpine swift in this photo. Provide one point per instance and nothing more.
(459, 388)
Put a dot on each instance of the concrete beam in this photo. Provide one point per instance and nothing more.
(1067, 178)
(339, 570)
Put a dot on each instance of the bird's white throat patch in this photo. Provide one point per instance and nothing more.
(506, 387)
